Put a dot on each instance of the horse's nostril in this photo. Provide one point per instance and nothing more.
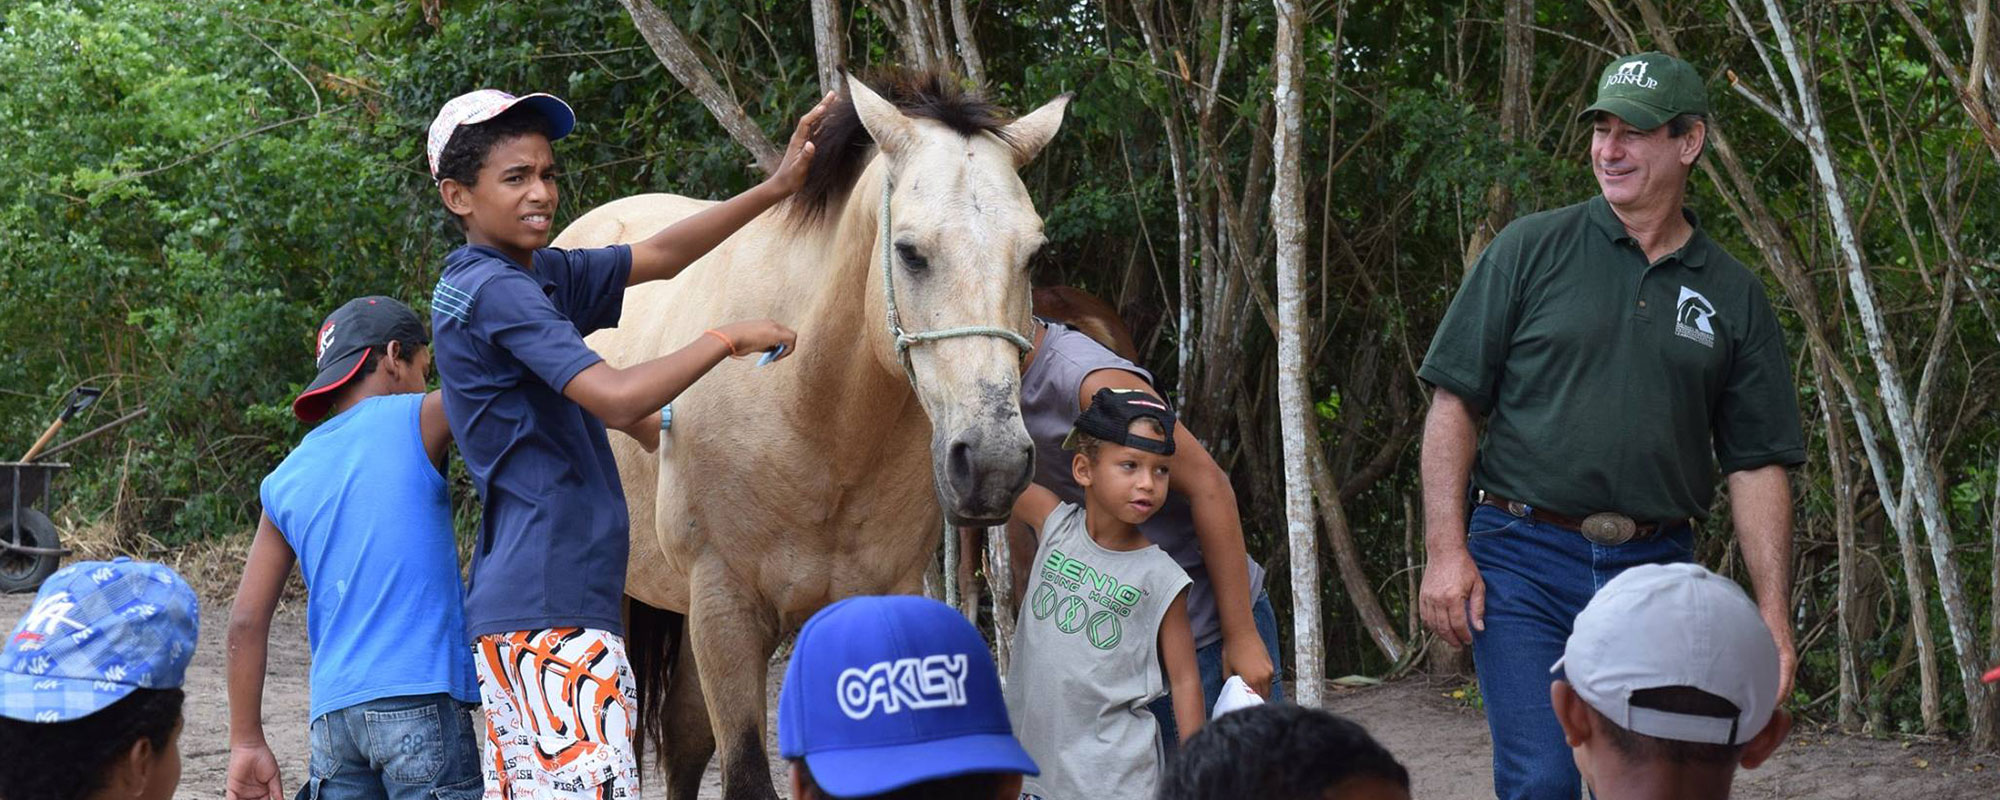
(958, 464)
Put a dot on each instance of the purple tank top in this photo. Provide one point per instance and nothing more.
(1051, 392)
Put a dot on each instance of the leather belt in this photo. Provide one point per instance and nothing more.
(1605, 528)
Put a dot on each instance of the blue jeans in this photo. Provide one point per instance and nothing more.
(419, 747)
(1209, 660)
(1538, 578)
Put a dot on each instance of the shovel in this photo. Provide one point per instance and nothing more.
(80, 398)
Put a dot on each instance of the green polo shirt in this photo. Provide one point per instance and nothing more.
(1611, 384)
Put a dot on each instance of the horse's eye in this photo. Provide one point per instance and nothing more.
(912, 259)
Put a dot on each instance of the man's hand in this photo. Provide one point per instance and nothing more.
(1247, 658)
(253, 773)
(1788, 654)
(1760, 507)
(791, 172)
(1453, 598)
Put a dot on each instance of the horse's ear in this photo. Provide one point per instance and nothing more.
(1031, 133)
(892, 131)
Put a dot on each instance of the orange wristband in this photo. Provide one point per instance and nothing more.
(724, 339)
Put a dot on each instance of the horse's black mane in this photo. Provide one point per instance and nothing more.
(841, 144)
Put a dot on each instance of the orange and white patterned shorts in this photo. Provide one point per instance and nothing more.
(560, 705)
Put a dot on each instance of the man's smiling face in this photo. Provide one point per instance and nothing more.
(1635, 166)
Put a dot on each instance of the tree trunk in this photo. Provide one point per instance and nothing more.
(1911, 442)
(1517, 76)
(1993, 590)
(909, 37)
(1000, 583)
(673, 50)
(971, 555)
(925, 35)
(1294, 401)
(950, 570)
(829, 43)
(1845, 603)
(1929, 704)
(1184, 210)
(968, 44)
(1347, 557)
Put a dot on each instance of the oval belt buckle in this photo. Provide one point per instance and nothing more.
(1609, 528)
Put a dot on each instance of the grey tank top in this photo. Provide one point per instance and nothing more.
(1050, 395)
(1087, 663)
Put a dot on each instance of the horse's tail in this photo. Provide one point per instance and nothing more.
(652, 643)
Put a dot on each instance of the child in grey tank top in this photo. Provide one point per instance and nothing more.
(1104, 607)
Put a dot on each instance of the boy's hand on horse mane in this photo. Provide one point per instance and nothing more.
(791, 172)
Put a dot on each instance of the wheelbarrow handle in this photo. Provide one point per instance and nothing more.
(47, 435)
(60, 552)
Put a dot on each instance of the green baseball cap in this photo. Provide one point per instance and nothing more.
(1648, 89)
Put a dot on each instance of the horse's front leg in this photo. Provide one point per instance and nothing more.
(734, 635)
(693, 744)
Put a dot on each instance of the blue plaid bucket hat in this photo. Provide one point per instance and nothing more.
(97, 631)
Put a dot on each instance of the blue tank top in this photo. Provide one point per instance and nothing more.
(370, 520)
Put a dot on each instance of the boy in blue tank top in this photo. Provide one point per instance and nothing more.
(362, 505)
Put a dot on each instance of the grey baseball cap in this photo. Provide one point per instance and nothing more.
(1670, 625)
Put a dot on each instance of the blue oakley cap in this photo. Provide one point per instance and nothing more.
(885, 692)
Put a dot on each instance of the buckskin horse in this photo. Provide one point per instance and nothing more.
(778, 490)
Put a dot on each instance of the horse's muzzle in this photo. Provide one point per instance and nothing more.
(981, 473)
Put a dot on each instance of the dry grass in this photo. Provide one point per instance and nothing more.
(213, 567)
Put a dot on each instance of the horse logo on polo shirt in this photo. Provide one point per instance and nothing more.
(1691, 318)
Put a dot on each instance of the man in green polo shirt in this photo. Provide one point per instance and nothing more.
(1618, 356)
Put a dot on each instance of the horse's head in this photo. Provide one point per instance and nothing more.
(961, 231)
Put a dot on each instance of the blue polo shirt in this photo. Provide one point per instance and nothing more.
(552, 538)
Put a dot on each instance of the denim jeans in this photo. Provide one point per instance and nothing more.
(419, 747)
(1209, 660)
(1538, 578)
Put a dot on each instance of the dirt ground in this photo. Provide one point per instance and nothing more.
(1443, 743)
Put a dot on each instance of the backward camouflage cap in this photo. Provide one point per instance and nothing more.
(1647, 90)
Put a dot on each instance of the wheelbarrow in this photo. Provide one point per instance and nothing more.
(30, 548)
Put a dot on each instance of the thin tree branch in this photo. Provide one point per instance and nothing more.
(133, 176)
(673, 50)
(317, 105)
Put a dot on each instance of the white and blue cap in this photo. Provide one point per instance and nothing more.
(885, 692)
(97, 631)
(1674, 625)
(479, 106)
